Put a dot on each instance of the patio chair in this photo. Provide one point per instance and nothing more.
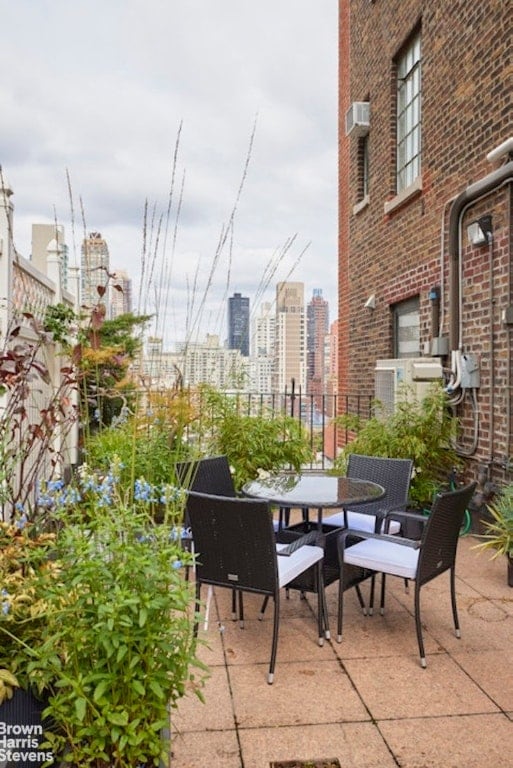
(208, 475)
(211, 475)
(419, 560)
(235, 547)
(395, 476)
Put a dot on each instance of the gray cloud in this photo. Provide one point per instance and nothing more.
(99, 90)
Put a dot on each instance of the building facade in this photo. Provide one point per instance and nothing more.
(94, 270)
(120, 294)
(425, 217)
(317, 326)
(290, 338)
(238, 323)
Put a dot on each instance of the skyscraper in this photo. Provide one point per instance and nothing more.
(317, 326)
(120, 294)
(290, 346)
(94, 270)
(238, 323)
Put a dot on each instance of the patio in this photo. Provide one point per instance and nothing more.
(365, 701)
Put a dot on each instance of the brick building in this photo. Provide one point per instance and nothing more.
(425, 151)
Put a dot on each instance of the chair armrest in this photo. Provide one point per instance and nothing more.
(355, 534)
(314, 538)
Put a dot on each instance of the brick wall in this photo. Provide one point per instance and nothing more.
(467, 94)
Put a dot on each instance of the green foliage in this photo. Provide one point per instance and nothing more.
(59, 320)
(252, 442)
(499, 530)
(115, 645)
(422, 430)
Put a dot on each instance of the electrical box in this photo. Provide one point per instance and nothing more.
(470, 378)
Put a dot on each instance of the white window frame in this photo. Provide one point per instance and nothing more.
(408, 127)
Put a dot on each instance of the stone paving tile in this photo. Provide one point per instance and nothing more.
(357, 745)
(399, 688)
(302, 693)
(218, 749)
(493, 671)
(216, 714)
(481, 741)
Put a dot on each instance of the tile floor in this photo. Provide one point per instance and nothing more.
(366, 700)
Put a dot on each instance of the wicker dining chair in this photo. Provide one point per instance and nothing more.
(394, 475)
(418, 560)
(235, 546)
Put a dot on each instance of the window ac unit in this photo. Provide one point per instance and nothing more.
(358, 118)
(416, 372)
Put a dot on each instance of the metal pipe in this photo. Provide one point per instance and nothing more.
(484, 186)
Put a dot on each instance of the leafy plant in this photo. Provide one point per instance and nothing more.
(24, 551)
(115, 647)
(420, 429)
(499, 530)
(252, 442)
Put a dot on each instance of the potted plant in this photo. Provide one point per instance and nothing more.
(499, 529)
(419, 429)
(253, 442)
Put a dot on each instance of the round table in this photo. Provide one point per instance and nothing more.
(313, 490)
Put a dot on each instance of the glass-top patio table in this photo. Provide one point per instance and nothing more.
(313, 490)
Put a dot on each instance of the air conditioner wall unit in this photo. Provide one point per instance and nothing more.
(358, 118)
(416, 372)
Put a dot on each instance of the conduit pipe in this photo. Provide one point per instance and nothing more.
(485, 186)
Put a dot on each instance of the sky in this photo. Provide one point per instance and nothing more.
(199, 137)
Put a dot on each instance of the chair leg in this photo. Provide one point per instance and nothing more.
(370, 610)
(234, 605)
(360, 599)
(340, 609)
(264, 606)
(322, 606)
(418, 627)
(241, 610)
(196, 609)
(274, 646)
(382, 598)
(453, 604)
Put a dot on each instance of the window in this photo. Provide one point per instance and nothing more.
(407, 328)
(408, 114)
(363, 167)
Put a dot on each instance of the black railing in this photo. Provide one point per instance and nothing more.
(314, 412)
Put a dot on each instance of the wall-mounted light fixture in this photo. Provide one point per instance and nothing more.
(371, 302)
(480, 232)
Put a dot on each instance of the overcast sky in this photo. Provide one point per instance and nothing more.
(243, 94)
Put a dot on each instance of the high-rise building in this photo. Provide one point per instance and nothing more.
(317, 325)
(238, 323)
(120, 294)
(290, 341)
(262, 345)
(94, 270)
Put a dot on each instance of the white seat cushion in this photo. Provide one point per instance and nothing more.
(383, 556)
(291, 566)
(360, 522)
